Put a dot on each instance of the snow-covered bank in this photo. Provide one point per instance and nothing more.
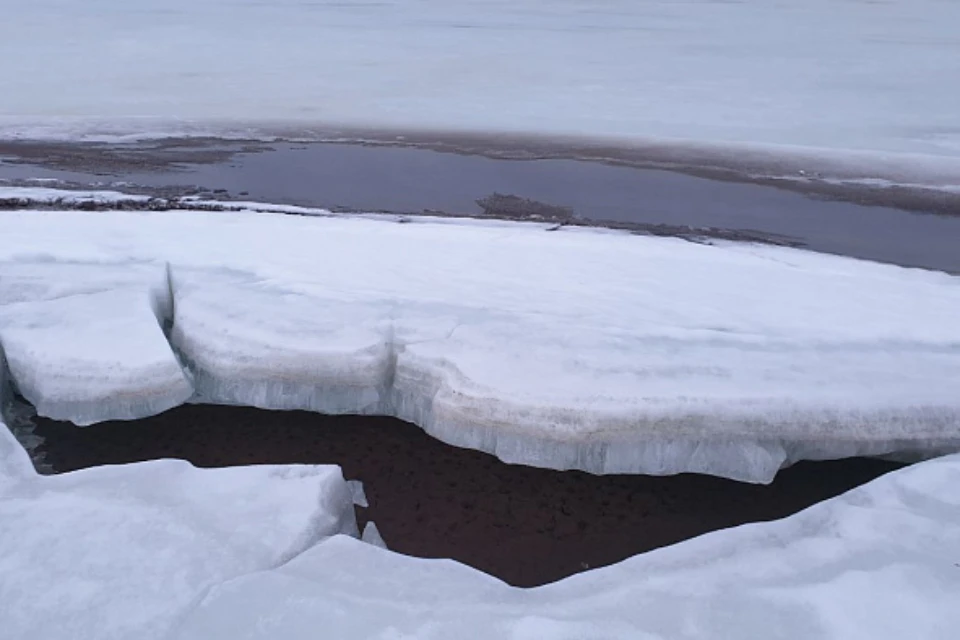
(814, 84)
(568, 349)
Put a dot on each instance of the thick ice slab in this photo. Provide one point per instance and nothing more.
(84, 341)
(567, 349)
(865, 76)
(125, 551)
(295, 352)
(878, 563)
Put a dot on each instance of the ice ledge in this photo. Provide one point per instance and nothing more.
(586, 350)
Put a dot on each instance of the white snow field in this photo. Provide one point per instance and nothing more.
(125, 551)
(872, 84)
(577, 348)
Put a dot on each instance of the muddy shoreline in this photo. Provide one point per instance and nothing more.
(417, 177)
(811, 176)
(524, 525)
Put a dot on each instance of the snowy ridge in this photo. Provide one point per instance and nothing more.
(573, 349)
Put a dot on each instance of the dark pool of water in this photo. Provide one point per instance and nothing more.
(401, 179)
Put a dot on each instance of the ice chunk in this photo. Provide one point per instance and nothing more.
(125, 551)
(371, 535)
(878, 563)
(359, 495)
(84, 343)
(258, 346)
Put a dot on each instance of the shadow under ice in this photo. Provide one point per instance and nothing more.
(525, 525)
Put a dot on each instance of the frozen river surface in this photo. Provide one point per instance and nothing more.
(819, 84)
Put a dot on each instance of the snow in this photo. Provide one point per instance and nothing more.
(877, 563)
(125, 551)
(576, 348)
(768, 80)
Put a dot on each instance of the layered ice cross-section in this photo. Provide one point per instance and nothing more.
(576, 348)
(84, 342)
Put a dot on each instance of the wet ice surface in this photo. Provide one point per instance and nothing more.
(404, 180)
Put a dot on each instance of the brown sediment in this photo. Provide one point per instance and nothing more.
(525, 525)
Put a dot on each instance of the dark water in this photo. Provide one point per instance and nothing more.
(399, 179)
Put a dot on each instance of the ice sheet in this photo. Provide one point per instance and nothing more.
(878, 563)
(568, 349)
(84, 341)
(788, 76)
(125, 551)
